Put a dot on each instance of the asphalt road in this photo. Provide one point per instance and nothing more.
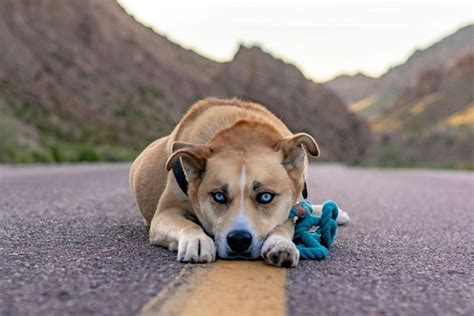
(72, 242)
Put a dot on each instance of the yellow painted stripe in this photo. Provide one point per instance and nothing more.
(223, 288)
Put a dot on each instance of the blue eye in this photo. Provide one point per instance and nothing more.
(265, 197)
(219, 197)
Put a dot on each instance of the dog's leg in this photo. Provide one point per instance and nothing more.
(342, 218)
(170, 228)
(279, 249)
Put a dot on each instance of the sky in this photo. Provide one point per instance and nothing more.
(324, 38)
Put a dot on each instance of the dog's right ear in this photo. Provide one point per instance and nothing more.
(293, 152)
(193, 158)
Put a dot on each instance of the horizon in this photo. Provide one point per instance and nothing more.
(342, 52)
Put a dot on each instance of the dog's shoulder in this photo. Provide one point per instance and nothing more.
(213, 103)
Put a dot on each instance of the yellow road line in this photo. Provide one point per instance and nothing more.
(223, 288)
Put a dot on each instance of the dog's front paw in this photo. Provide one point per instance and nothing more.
(280, 251)
(196, 248)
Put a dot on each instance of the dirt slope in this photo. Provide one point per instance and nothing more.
(82, 80)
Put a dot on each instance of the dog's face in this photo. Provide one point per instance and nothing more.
(242, 199)
(238, 196)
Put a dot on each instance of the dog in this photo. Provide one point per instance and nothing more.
(222, 184)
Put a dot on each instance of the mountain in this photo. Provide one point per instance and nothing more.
(421, 111)
(301, 103)
(369, 96)
(353, 88)
(82, 80)
(433, 120)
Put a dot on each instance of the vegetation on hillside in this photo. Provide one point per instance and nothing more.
(85, 82)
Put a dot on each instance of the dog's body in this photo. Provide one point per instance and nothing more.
(244, 168)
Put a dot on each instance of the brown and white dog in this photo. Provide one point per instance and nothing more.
(237, 170)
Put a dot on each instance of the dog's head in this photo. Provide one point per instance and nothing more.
(243, 185)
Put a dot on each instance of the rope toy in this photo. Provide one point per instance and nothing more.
(314, 234)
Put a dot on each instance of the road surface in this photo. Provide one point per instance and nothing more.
(72, 242)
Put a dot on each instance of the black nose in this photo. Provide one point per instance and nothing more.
(239, 240)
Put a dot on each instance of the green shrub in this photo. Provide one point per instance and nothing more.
(40, 156)
(88, 154)
(114, 153)
(56, 154)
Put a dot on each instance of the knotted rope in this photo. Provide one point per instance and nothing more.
(314, 234)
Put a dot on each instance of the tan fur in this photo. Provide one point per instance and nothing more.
(232, 143)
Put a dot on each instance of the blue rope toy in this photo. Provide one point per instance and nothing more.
(314, 234)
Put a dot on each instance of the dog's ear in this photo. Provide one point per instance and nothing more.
(193, 158)
(293, 152)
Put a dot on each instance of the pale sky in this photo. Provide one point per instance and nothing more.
(323, 38)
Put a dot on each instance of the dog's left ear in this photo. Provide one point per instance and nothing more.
(193, 157)
(293, 152)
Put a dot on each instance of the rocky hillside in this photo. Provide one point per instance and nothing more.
(256, 75)
(82, 80)
(370, 96)
(433, 120)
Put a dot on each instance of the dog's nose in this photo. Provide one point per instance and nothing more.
(239, 240)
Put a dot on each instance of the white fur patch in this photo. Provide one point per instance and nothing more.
(243, 180)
